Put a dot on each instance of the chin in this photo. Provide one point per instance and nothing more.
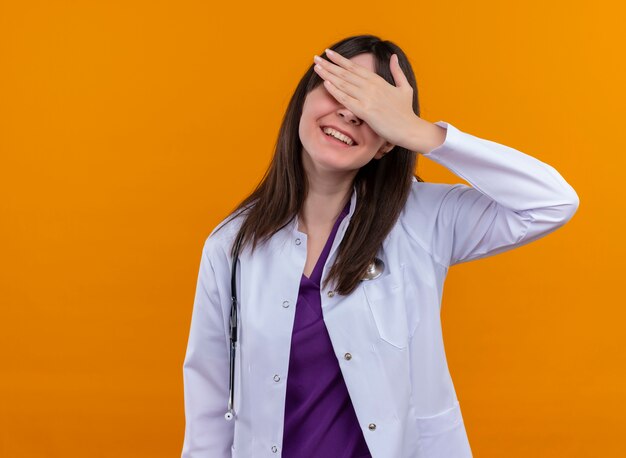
(337, 166)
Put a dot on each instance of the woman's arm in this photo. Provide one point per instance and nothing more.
(206, 370)
(513, 199)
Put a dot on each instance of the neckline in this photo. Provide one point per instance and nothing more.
(316, 273)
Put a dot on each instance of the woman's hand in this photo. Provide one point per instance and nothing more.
(386, 108)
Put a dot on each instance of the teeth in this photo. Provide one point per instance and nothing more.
(338, 135)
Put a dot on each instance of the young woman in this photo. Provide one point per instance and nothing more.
(343, 256)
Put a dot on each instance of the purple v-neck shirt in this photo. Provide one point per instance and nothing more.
(320, 421)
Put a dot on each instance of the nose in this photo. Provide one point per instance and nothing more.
(349, 116)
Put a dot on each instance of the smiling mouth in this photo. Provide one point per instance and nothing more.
(335, 141)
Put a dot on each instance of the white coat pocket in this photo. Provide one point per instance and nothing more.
(443, 435)
(386, 300)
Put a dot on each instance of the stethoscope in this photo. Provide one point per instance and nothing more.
(374, 270)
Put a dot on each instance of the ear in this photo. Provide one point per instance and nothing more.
(386, 148)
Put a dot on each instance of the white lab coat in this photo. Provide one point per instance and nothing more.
(397, 376)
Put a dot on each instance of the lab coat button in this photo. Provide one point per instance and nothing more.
(348, 356)
(372, 426)
(276, 378)
(331, 293)
(285, 304)
(274, 448)
(298, 241)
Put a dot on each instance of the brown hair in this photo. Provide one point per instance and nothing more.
(382, 185)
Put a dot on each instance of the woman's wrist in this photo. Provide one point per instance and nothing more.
(425, 136)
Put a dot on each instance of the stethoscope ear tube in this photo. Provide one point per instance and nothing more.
(229, 415)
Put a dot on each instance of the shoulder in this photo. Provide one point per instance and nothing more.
(426, 209)
(426, 198)
(218, 243)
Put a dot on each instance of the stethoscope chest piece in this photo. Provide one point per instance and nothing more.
(374, 270)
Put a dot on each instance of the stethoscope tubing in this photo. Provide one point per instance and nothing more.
(233, 332)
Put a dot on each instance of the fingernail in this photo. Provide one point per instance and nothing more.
(328, 51)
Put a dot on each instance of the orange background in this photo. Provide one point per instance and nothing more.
(128, 129)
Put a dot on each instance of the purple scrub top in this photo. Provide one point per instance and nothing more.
(320, 421)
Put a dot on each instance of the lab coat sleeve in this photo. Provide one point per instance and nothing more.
(513, 199)
(206, 368)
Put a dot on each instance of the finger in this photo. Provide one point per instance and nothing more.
(346, 63)
(337, 81)
(397, 73)
(333, 69)
(340, 96)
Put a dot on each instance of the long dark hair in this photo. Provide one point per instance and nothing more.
(382, 185)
